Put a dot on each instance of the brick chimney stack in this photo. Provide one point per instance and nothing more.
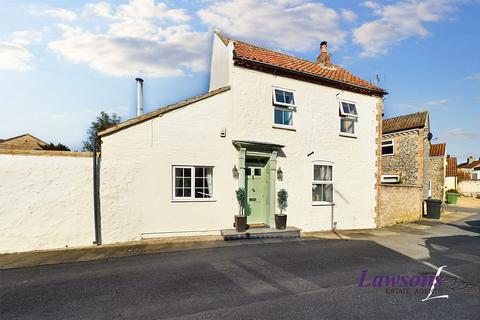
(470, 159)
(324, 57)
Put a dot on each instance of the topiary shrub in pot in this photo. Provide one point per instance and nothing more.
(241, 219)
(281, 219)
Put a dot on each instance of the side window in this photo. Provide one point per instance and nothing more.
(348, 118)
(387, 147)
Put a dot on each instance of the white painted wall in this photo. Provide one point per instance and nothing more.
(450, 183)
(136, 171)
(45, 202)
(469, 188)
(317, 127)
(220, 66)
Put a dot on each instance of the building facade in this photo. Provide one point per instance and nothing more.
(438, 170)
(313, 129)
(406, 151)
(23, 142)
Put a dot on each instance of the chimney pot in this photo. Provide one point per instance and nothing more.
(323, 46)
(324, 57)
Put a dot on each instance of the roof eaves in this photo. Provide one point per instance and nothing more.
(161, 111)
(380, 92)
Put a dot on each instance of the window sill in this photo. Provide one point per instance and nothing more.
(324, 204)
(194, 200)
(386, 155)
(347, 135)
(278, 126)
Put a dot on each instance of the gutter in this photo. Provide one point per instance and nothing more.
(96, 196)
(315, 76)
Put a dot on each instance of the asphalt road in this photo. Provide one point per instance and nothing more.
(288, 279)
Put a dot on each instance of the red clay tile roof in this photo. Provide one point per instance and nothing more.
(409, 121)
(437, 150)
(471, 165)
(248, 52)
(451, 167)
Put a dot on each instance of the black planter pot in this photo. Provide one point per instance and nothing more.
(280, 221)
(240, 223)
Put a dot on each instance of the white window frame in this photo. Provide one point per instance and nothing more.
(389, 145)
(278, 103)
(348, 134)
(332, 182)
(192, 184)
(348, 116)
(386, 178)
(476, 175)
(286, 126)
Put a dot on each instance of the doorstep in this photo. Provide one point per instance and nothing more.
(260, 233)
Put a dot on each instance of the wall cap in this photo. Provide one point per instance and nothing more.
(48, 153)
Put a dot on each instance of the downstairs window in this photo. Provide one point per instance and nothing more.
(192, 182)
(322, 183)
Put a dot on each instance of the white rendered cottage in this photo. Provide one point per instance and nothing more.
(269, 121)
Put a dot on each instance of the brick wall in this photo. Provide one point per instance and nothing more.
(399, 203)
(437, 176)
(22, 143)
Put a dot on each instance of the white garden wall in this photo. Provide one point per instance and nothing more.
(469, 188)
(46, 201)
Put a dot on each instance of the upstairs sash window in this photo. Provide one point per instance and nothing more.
(348, 118)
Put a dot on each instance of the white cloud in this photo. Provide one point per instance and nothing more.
(290, 25)
(137, 10)
(348, 15)
(433, 103)
(475, 76)
(142, 38)
(397, 22)
(461, 133)
(57, 13)
(26, 37)
(14, 56)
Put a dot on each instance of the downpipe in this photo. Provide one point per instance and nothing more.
(96, 196)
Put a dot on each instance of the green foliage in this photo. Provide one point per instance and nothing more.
(282, 198)
(241, 194)
(103, 122)
(56, 147)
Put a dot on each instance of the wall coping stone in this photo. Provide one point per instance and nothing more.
(78, 154)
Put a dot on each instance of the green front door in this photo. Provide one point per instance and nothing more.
(257, 177)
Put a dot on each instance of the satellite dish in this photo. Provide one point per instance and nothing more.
(429, 136)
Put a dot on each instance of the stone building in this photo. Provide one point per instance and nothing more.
(23, 142)
(404, 168)
(406, 149)
(438, 167)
